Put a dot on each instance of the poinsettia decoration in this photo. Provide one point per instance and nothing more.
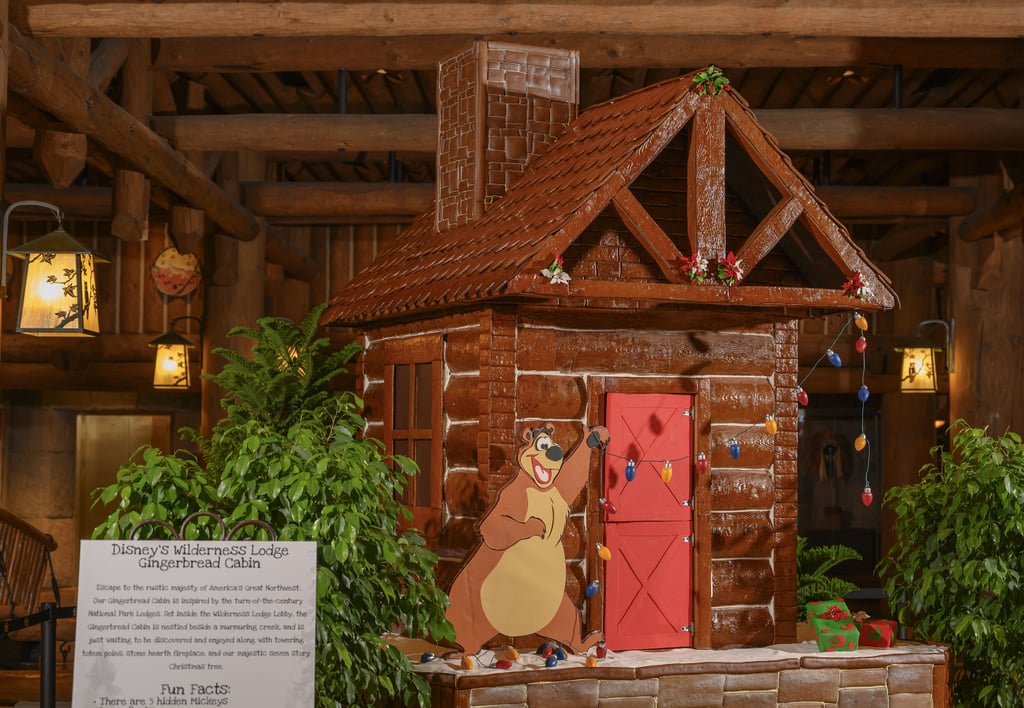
(695, 266)
(556, 271)
(834, 612)
(730, 269)
(855, 287)
(711, 81)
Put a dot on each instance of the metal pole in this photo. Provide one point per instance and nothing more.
(48, 657)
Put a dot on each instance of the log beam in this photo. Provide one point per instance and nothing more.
(597, 51)
(868, 18)
(893, 202)
(810, 129)
(43, 80)
(1006, 212)
(336, 201)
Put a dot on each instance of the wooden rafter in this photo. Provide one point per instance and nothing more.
(651, 236)
(768, 233)
(705, 182)
(868, 18)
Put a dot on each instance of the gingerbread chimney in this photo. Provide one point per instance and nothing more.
(499, 105)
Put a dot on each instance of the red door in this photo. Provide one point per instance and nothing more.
(649, 578)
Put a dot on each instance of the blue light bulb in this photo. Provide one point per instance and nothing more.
(630, 471)
(863, 393)
(593, 588)
(734, 450)
(834, 359)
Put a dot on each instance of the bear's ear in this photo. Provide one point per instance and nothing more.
(526, 435)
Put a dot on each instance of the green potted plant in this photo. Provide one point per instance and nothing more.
(956, 571)
(289, 452)
(813, 582)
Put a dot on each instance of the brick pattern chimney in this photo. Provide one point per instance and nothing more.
(499, 105)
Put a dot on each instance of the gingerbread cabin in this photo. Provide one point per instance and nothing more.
(641, 266)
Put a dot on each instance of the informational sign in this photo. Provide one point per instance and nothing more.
(195, 623)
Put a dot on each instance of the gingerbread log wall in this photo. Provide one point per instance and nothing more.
(504, 369)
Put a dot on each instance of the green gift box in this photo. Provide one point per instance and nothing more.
(836, 634)
(830, 609)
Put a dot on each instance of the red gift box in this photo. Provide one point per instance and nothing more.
(878, 633)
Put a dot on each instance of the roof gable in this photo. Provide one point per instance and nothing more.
(591, 168)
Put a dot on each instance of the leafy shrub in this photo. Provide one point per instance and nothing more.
(288, 452)
(813, 583)
(956, 571)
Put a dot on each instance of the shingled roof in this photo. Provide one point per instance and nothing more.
(500, 255)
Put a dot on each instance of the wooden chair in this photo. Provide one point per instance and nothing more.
(24, 560)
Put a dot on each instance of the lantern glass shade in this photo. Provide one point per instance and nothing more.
(58, 292)
(171, 370)
(918, 371)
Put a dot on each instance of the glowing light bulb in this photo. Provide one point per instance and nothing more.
(702, 463)
(169, 363)
(770, 425)
(834, 359)
(603, 552)
(593, 588)
(801, 396)
(860, 320)
(666, 472)
(862, 344)
(630, 471)
(867, 496)
(860, 442)
(734, 449)
(863, 393)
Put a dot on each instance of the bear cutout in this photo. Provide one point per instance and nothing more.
(513, 583)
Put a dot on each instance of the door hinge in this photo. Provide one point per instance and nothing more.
(687, 628)
(687, 412)
(688, 539)
(686, 502)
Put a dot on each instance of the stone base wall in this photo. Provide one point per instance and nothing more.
(907, 679)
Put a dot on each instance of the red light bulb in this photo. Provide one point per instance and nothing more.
(861, 345)
(801, 396)
(702, 463)
(867, 496)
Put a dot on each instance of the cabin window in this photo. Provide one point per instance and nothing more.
(413, 429)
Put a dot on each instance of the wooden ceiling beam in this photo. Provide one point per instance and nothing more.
(345, 202)
(45, 81)
(807, 129)
(597, 51)
(247, 18)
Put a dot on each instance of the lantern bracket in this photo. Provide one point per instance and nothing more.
(7, 216)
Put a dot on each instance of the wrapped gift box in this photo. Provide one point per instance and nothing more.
(878, 633)
(836, 634)
(831, 609)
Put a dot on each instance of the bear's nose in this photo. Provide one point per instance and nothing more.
(553, 453)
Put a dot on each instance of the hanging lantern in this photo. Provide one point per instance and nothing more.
(734, 449)
(863, 393)
(58, 293)
(801, 396)
(630, 471)
(860, 442)
(666, 472)
(172, 367)
(593, 588)
(770, 425)
(867, 496)
(860, 320)
(834, 359)
(861, 345)
(603, 552)
(702, 463)
(607, 506)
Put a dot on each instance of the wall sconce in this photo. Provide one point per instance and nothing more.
(58, 292)
(171, 370)
(917, 374)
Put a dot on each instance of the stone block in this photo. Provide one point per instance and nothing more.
(564, 694)
(691, 691)
(752, 682)
(862, 677)
(747, 699)
(911, 700)
(628, 702)
(629, 689)
(910, 678)
(515, 694)
(821, 685)
(863, 697)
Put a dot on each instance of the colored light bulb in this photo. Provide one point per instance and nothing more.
(734, 449)
(666, 472)
(860, 442)
(551, 661)
(503, 664)
(862, 345)
(833, 358)
(770, 425)
(863, 393)
(801, 396)
(630, 471)
(560, 653)
(607, 506)
(593, 588)
(702, 463)
(601, 651)
(427, 657)
(468, 663)
(603, 552)
(542, 647)
(591, 661)
(860, 320)
(867, 496)
(511, 653)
